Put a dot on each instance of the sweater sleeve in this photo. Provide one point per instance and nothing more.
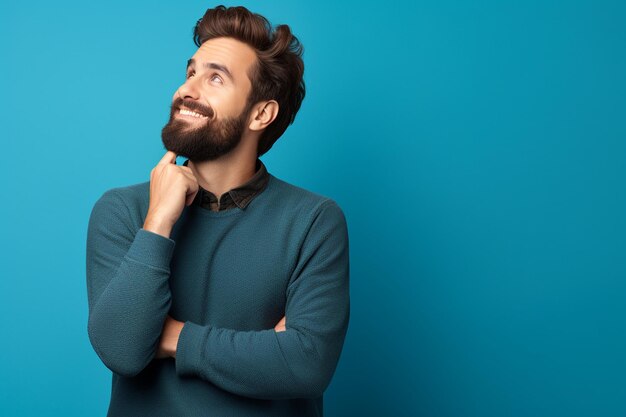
(300, 361)
(127, 286)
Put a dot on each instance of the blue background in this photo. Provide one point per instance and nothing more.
(478, 150)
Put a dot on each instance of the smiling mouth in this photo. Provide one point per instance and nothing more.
(189, 113)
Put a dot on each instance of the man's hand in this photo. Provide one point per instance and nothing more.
(280, 326)
(169, 338)
(171, 188)
(171, 332)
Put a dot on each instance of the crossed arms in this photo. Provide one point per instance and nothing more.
(129, 301)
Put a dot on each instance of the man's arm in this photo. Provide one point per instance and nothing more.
(128, 269)
(127, 286)
(300, 361)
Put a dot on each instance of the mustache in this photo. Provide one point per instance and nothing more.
(193, 106)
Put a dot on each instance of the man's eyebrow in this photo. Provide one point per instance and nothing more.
(213, 65)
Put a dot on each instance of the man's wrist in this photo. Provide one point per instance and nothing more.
(158, 226)
(177, 328)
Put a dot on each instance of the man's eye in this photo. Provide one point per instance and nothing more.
(213, 77)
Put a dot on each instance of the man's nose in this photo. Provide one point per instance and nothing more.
(189, 89)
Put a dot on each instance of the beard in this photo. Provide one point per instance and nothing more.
(202, 139)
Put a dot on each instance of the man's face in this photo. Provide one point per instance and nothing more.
(208, 115)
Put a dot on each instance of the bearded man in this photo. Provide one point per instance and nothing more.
(216, 288)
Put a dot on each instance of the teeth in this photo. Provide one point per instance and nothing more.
(191, 113)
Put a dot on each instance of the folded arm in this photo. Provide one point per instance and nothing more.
(127, 287)
(300, 361)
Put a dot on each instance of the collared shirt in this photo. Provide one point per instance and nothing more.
(239, 196)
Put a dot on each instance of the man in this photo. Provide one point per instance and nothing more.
(237, 305)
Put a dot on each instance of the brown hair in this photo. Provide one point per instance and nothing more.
(278, 73)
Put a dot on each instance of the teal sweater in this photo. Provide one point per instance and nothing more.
(230, 276)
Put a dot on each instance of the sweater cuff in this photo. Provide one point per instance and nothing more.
(189, 348)
(152, 249)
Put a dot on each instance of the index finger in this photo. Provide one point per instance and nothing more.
(168, 158)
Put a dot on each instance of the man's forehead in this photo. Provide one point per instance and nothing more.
(230, 53)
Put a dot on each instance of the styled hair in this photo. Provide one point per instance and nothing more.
(278, 72)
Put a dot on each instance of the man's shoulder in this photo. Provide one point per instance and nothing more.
(134, 197)
(302, 199)
(120, 209)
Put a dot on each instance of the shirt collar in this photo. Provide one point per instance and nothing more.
(239, 196)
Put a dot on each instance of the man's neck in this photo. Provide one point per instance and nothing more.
(225, 173)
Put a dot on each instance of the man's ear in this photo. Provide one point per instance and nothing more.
(263, 113)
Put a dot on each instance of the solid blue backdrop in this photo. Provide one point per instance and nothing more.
(478, 150)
